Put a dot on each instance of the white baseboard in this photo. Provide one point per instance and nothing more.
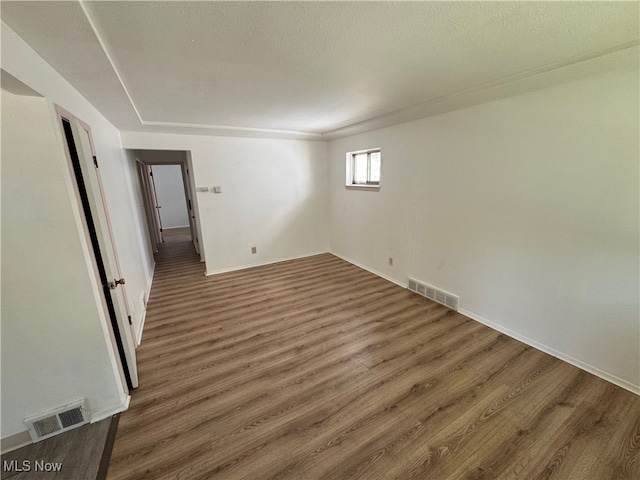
(173, 228)
(150, 282)
(111, 411)
(22, 439)
(532, 343)
(555, 353)
(260, 264)
(370, 270)
(14, 442)
(141, 329)
(144, 312)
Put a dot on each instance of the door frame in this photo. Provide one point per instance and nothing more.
(148, 201)
(186, 180)
(105, 261)
(145, 180)
(153, 195)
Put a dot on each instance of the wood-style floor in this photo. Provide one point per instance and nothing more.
(78, 454)
(315, 369)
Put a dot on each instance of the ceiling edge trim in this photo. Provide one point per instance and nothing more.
(337, 131)
(487, 86)
(108, 55)
(176, 124)
(227, 127)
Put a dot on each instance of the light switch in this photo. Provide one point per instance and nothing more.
(217, 189)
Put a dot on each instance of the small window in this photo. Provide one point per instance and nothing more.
(363, 168)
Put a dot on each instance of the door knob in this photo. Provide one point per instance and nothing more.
(112, 285)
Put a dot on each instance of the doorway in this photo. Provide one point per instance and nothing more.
(171, 201)
(166, 185)
(83, 164)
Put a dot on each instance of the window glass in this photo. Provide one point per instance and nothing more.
(363, 168)
(360, 168)
(375, 168)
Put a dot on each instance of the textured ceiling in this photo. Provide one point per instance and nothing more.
(315, 69)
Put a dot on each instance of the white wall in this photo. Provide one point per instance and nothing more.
(170, 195)
(527, 208)
(140, 283)
(85, 372)
(53, 343)
(273, 196)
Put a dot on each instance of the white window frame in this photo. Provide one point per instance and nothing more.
(350, 160)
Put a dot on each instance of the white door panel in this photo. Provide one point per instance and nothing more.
(99, 210)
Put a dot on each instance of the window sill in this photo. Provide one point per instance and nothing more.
(373, 188)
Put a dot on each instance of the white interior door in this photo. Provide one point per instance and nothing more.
(149, 209)
(192, 216)
(156, 207)
(99, 210)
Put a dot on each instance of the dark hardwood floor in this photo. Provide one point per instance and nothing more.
(316, 369)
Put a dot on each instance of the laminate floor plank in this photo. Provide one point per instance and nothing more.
(315, 369)
(81, 453)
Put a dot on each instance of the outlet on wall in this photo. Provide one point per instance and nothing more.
(254, 250)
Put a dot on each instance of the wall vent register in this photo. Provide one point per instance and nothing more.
(57, 421)
(432, 293)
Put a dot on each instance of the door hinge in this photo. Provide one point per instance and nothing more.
(160, 230)
(129, 317)
(150, 173)
(95, 161)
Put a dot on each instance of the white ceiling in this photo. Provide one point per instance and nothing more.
(316, 69)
